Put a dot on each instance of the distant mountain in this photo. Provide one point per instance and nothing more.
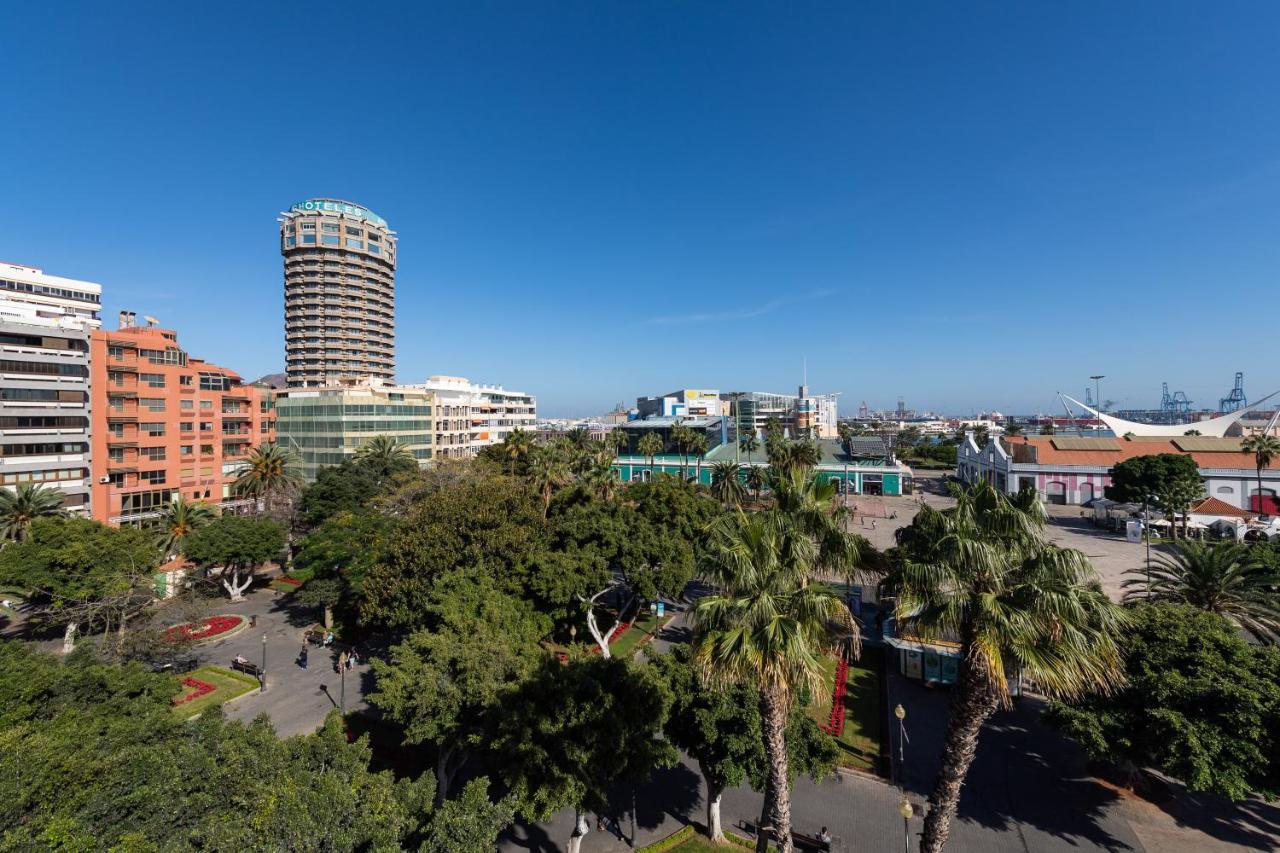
(275, 380)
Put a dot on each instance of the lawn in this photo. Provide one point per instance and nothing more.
(226, 685)
(627, 642)
(860, 740)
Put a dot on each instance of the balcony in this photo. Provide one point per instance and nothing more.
(121, 442)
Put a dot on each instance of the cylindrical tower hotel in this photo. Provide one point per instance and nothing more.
(339, 293)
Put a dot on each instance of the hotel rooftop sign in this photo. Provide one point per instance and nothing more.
(326, 205)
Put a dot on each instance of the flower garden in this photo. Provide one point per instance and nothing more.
(213, 628)
(853, 717)
(208, 687)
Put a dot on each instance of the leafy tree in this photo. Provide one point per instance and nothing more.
(1229, 579)
(1200, 704)
(1012, 429)
(339, 553)
(1048, 429)
(352, 485)
(238, 546)
(1170, 480)
(982, 574)
(20, 506)
(618, 440)
(726, 483)
(77, 571)
(1264, 448)
(748, 444)
(178, 520)
(755, 480)
(577, 730)
(470, 823)
(455, 518)
(650, 445)
(768, 627)
(271, 477)
(721, 730)
(481, 642)
(94, 759)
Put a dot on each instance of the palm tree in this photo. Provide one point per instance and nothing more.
(516, 446)
(697, 446)
(1227, 579)
(579, 437)
(619, 440)
(177, 520)
(982, 574)
(650, 444)
(548, 470)
(1264, 448)
(1012, 429)
(755, 480)
(681, 436)
(271, 471)
(815, 507)
(726, 483)
(748, 444)
(386, 455)
(24, 504)
(1049, 429)
(767, 626)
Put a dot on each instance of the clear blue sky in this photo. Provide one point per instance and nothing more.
(968, 204)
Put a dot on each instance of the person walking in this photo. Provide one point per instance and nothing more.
(302, 656)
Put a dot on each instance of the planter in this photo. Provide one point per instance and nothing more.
(215, 627)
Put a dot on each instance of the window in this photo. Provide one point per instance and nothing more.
(291, 241)
(152, 380)
(168, 355)
(115, 352)
(329, 239)
(152, 478)
(186, 449)
(308, 226)
(186, 426)
(354, 244)
(265, 426)
(206, 449)
(354, 232)
(186, 405)
(115, 454)
(145, 501)
(152, 404)
(187, 473)
(374, 238)
(214, 382)
(377, 250)
(40, 368)
(155, 454)
(206, 405)
(184, 380)
(308, 238)
(330, 227)
(116, 478)
(206, 426)
(154, 430)
(116, 430)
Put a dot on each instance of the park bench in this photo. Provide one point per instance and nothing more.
(247, 667)
(801, 840)
(314, 637)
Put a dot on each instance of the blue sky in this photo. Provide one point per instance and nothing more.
(968, 204)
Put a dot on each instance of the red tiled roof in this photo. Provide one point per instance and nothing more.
(1213, 506)
(1047, 454)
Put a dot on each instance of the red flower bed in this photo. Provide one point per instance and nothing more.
(198, 688)
(211, 627)
(835, 723)
(285, 579)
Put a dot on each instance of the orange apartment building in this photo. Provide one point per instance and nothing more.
(166, 424)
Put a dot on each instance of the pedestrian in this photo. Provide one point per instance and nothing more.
(825, 838)
(302, 657)
(351, 659)
(253, 621)
(873, 524)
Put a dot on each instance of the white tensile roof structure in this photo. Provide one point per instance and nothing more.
(1214, 427)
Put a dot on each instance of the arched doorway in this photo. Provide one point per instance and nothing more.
(1056, 492)
(1086, 493)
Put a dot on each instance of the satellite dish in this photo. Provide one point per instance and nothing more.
(151, 321)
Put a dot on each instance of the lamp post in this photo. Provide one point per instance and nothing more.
(905, 809)
(263, 674)
(901, 713)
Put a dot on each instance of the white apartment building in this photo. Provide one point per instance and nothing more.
(45, 323)
(470, 416)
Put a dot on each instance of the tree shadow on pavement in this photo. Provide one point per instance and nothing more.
(1252, 824)
(674, 791)
(529, 837)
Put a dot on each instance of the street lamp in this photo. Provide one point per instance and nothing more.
(262, 675)
(1097, 396)
(901, 713)
(905, 809)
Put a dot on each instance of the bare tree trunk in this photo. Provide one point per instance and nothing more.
(234, 587)
(124, 617)
(975, 703)
(580, 830)
(602, 638)
(69, 639)
(775, 745)
(328, 616)
(762, 835)
(715, 829)
(446, 769)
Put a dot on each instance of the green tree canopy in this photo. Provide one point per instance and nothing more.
(443, 683)
(576, 730)
(339, 553)
(238, 545)
(1200, 705)
(1169, 480)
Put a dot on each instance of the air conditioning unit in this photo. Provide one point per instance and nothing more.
(104, 479)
